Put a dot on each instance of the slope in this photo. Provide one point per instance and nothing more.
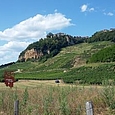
(69, 65)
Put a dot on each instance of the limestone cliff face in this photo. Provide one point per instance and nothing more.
(30, 54)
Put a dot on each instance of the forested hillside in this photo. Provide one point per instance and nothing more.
(104, 35)
(53, 43)
(69, 65)
(49, 46)
(72, 59)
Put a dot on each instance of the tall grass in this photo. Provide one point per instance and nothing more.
(57, 100)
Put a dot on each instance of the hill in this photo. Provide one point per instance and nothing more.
(53, 43)
(103, 35)
(48, 47)
(104, 55)
(83, 60)
(69, 65)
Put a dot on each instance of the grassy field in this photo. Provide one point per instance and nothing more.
(49, 98)
(38, 94)
(34, 84)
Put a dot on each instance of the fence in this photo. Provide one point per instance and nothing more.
(89, 108)
(16, 107)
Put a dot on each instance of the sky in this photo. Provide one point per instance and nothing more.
(23, 22)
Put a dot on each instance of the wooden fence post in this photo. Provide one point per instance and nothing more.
(16, 107)
(89, 108)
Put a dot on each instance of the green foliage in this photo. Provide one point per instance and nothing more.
(90, 75)
(104, 55)
(83, 75)
(69, 65)
(63, 101)
(108, 95)
(52, 45)
(25, 97)
(41, 75)
(102, 36)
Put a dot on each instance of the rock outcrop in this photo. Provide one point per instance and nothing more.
(48, 47)
(30, 54)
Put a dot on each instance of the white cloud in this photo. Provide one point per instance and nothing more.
(91, 9)
(29, 31)
(13, 46)
(9, 52)
(35, 27)
(84, 8)
(8, 57)
(109, 14)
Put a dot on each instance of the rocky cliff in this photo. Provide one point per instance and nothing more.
(49, 46)
(30, 54)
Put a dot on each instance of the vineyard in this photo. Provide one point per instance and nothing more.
(70, 65)
(96, 74)
(92, 74)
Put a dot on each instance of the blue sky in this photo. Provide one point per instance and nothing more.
(25, 21)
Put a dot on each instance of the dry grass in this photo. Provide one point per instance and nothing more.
(35, 83)
(50, 98)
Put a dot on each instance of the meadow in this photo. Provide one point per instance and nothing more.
(38, 94)
(50, 98)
